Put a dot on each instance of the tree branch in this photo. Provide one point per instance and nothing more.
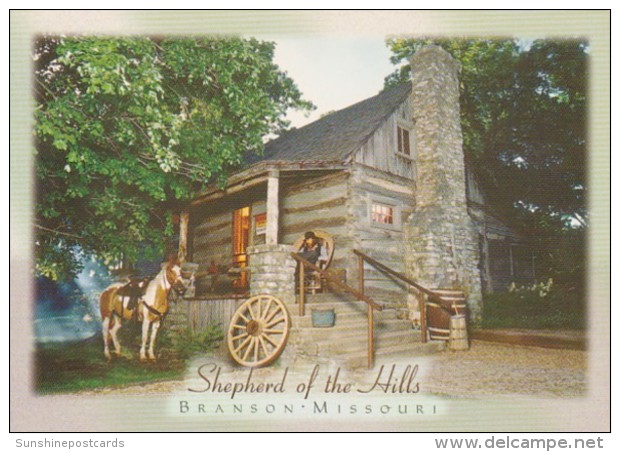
(54, 231)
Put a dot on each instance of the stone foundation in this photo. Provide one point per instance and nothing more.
(272, 271)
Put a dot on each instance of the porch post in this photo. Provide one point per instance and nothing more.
(183, 228)
(273, 208)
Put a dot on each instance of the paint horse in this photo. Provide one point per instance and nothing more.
(116, 305)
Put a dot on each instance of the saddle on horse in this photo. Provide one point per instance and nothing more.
(133, 292)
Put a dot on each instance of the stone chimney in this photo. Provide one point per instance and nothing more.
(441, 240)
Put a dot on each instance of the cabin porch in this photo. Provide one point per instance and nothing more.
(272, 205)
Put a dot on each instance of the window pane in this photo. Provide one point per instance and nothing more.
(403, 140)
(382, 214)
(406, 141)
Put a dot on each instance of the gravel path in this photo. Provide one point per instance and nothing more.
(491, 369)
(486, 369)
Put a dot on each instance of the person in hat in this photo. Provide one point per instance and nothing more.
(311, 248)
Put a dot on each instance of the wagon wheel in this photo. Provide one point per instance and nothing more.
(258, 331)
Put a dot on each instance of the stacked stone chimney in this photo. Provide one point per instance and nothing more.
(441, 241)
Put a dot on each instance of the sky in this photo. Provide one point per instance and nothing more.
(333, 72)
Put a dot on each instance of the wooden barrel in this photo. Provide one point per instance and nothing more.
(458, 333)
(438, 312)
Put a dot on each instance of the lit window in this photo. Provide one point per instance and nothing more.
(403, 141)
(382, 214)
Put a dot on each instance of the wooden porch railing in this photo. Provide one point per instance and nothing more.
(359, 294)
(382, 267)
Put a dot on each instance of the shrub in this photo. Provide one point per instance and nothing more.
(540, 306)
(184, 343)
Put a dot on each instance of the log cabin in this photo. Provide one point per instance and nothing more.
(385, 176)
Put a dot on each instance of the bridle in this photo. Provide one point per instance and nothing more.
(168, 286)
(178, 285)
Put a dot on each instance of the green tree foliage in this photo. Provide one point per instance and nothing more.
(128, 129)
(523, 114)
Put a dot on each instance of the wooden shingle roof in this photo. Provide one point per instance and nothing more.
(335, 136)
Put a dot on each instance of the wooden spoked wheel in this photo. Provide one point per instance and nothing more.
(258, 331)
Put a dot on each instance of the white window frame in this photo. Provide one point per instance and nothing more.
(396, 213)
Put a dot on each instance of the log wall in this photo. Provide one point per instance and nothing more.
(382, 242)
(212, 239)
(319, 204)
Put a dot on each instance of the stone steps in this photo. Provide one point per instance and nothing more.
(344, 315)
(350, 323)
(360, 359)
(357, 334)
(346, 343)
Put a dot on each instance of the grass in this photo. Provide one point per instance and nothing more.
(75, 366)
(558, 310)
